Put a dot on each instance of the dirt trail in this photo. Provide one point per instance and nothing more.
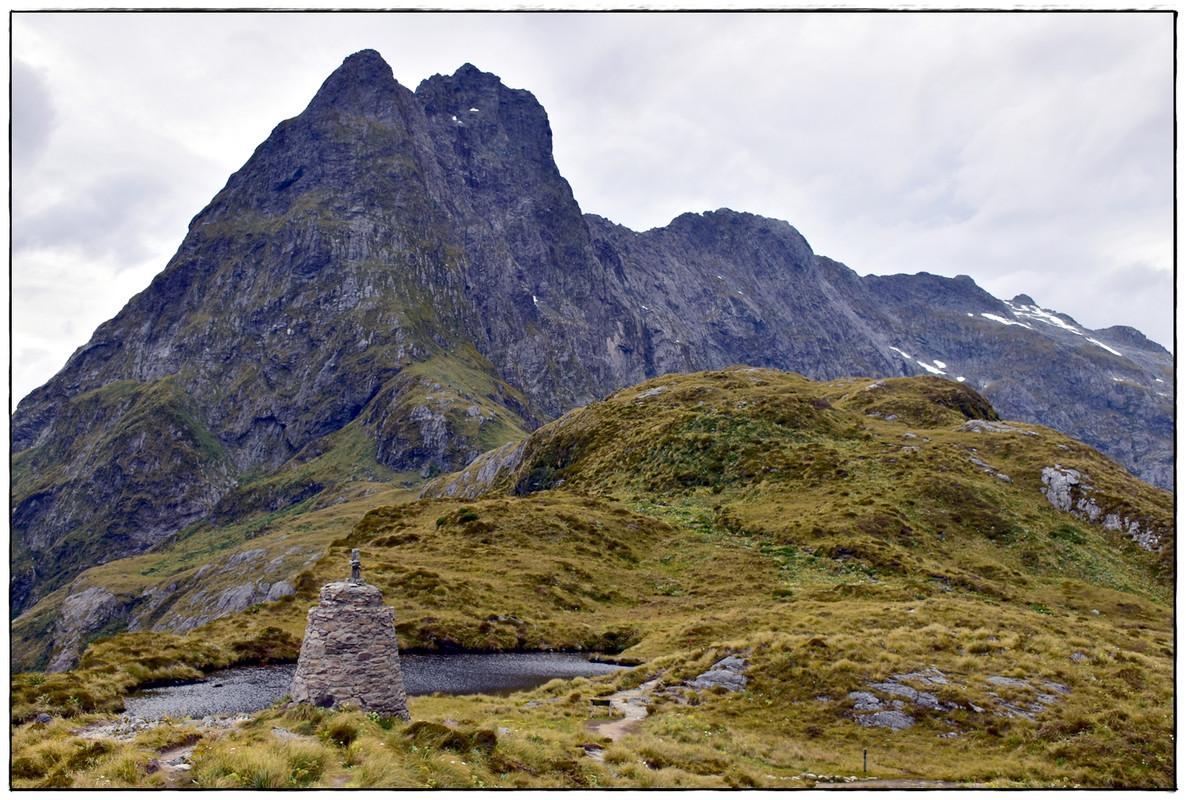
(173, 762)
(632, 703)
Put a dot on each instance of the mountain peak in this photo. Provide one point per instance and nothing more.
(466, 77)
(471, 99)
(365, 66)
(469, 70)
(362, 79)
(470, 87)
(367, 59)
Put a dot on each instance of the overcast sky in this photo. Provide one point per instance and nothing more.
(1031, 151)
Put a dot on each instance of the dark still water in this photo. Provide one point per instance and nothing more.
(247, 689)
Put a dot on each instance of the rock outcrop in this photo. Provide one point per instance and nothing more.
(83, 614)
(1067, 490)
(889, 702)
(728, 673)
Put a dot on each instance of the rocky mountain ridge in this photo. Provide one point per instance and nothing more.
(398, 281)
(916, 476)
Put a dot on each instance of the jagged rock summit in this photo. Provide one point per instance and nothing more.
(398, 281)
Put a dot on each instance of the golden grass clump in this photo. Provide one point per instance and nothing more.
(379, 764)
(270, 764)
(344, 727)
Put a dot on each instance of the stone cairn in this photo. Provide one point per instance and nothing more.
(350, 655)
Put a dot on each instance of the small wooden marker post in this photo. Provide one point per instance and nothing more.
(865, 756)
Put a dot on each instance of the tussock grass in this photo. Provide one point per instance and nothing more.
(374, 766)
(113, 667)
(747, 513)
(264, 766)
(344, 728)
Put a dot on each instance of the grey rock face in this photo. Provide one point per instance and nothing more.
(924, 699)
(865, 701)
(726, 673)
(1065, 492)
(477, 478)
(82, 613)
(895, 720)
(382, 233)
(730, 681)
(732, 664)
(870, 710)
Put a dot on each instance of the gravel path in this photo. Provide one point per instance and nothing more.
(632, 704)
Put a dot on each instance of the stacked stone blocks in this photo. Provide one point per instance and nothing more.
(350, 655)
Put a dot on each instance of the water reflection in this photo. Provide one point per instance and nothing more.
(492, 673)
(248, 689)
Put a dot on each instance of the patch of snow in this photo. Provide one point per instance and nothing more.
(1101, 344)
(1044, 315)
(940, 364)
(1159, 380)
(535, 300)
(933, 370)
(1050, 318)
(961, 379)
(1003, 321)
(474, 110)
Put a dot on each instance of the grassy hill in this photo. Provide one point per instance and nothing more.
(845, 538)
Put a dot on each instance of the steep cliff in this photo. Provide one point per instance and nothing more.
(398, 281)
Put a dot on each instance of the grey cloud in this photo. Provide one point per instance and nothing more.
(104, 218)
(33, 113)
(1139, 277)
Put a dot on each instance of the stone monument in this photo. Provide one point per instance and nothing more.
(350, 655)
